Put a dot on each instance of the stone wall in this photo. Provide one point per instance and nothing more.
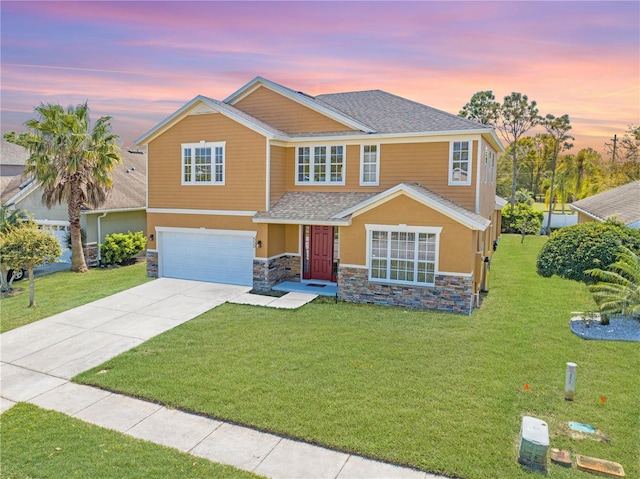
(268, 273)
(450, 293)
(152, 264)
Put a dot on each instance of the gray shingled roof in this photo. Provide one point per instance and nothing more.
(129, 188)
(12, 154)
(312, 207)
(623, 201)
(334, 207)
(387, 113)
(129, 182)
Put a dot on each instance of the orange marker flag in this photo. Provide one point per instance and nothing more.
(526, 386)
(603, 399)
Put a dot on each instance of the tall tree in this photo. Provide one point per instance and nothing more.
(515, 117)
(557, 129)
(72, 160)
(482, 108)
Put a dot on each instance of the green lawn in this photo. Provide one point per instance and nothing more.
(45, 444)
(442, 393)
(58, 292)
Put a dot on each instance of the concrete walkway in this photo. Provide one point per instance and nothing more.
(38, 360)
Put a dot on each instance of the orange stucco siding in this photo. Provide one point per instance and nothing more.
(286, 114)
(278, 173)
(245, 166)
(425, 163)
(457, 243)
(218, 222)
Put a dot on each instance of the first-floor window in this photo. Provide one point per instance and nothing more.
(203, 163)
(403, 256)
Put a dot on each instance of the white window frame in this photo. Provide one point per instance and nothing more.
(376, 164)
(325, 165)
(489, 165)
(469, 161)
(390, 229)
(218, 163)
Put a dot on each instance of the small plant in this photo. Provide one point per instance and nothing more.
(589, 318)
(524, 219)
(119, 248)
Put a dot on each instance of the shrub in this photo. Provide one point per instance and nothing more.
(523, 214)
(121, 247)
(573, 250)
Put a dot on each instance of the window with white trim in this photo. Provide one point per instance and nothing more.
(320, 165)
(203, 163)
(489, 165)
(369, 165)
(407, 255)
(460, 163)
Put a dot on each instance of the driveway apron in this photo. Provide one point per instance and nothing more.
(37, 361)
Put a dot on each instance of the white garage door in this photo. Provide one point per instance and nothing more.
(218, 256)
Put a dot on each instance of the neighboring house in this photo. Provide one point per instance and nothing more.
(392, 200)
(124, 209)
(623, 203)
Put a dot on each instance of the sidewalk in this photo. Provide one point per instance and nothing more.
(37, 361)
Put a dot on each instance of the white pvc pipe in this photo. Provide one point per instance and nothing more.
(570, 381)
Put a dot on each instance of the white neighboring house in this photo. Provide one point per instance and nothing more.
(124, 209)
(622, 202)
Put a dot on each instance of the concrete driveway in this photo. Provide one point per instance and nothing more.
(68, 343)
(38, 360)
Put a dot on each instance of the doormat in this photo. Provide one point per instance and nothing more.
(316, 285)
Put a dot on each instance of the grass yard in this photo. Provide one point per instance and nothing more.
(45, 444)
(440, 392)
(58, 292)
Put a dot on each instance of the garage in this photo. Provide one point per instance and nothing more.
(217, 256)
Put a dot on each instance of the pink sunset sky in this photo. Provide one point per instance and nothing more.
(140, 61)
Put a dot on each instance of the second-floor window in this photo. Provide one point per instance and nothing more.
(460, 163)
(203, 163)
(369, 165)
(489, 165)
(320, 165)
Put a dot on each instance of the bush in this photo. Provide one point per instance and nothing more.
(572, 250)
(118, 248)
(523, 214)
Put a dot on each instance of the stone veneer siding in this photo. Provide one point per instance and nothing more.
(91, 254)
(450, 293)
(268, 273)
(152, 264)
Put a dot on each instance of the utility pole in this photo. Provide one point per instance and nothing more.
(615, 142)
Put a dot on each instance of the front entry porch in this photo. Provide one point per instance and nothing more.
(321, 288)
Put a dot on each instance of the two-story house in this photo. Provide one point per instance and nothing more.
(392, 200)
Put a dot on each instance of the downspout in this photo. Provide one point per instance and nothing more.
(268, 175)
(100, 235)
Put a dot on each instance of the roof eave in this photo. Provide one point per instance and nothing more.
(585, 212)
(184, 110)
(114, 210)
(416, 195)
(303, 221)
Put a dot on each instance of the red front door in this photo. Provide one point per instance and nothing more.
(321, 257)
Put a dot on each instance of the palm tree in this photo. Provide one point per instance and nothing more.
(618, 290)
(72, 161)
